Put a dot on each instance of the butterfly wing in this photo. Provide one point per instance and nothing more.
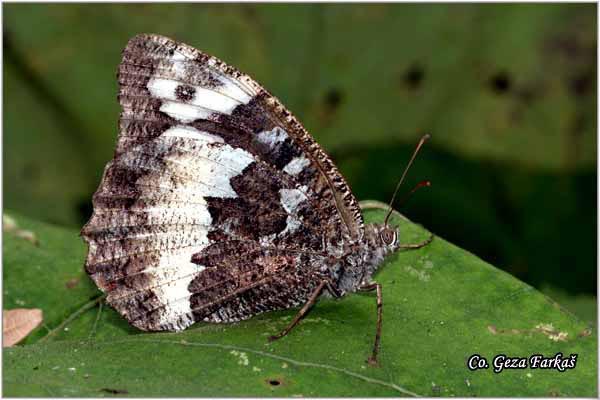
(218, 204)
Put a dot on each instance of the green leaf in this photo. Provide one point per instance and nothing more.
(441, 305)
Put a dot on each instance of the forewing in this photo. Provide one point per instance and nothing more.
(165, 83)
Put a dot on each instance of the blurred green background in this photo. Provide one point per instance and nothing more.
(508, 92)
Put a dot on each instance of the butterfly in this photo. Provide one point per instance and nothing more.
(218, 205)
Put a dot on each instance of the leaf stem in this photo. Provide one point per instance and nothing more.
(378, 205)
(72, 317)
(93, 331)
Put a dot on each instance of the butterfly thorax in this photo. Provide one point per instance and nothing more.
(364, 257)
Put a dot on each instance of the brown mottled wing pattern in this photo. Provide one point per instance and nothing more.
(218, 204)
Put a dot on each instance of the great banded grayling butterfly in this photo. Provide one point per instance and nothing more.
(218, 205)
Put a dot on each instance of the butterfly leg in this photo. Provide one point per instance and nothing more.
(325, 284)
(417, 245)
(369, 287)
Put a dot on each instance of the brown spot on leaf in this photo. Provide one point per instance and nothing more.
(18, 323)
(546, 329)
(581, 84)
(71, 283)
(114, 391)
(276, 382)
(28, 236)
(584, 333)
(328, 107)
(414, 76)
(500, 83)
(333, 98)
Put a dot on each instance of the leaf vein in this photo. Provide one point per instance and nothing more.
(286, 359)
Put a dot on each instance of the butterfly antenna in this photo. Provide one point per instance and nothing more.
(421, 142)
(417, 187)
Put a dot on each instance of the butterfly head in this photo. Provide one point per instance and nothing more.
(382, 240)
(388, 236)
(361, 262)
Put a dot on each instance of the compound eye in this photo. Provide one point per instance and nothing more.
(388, 236)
